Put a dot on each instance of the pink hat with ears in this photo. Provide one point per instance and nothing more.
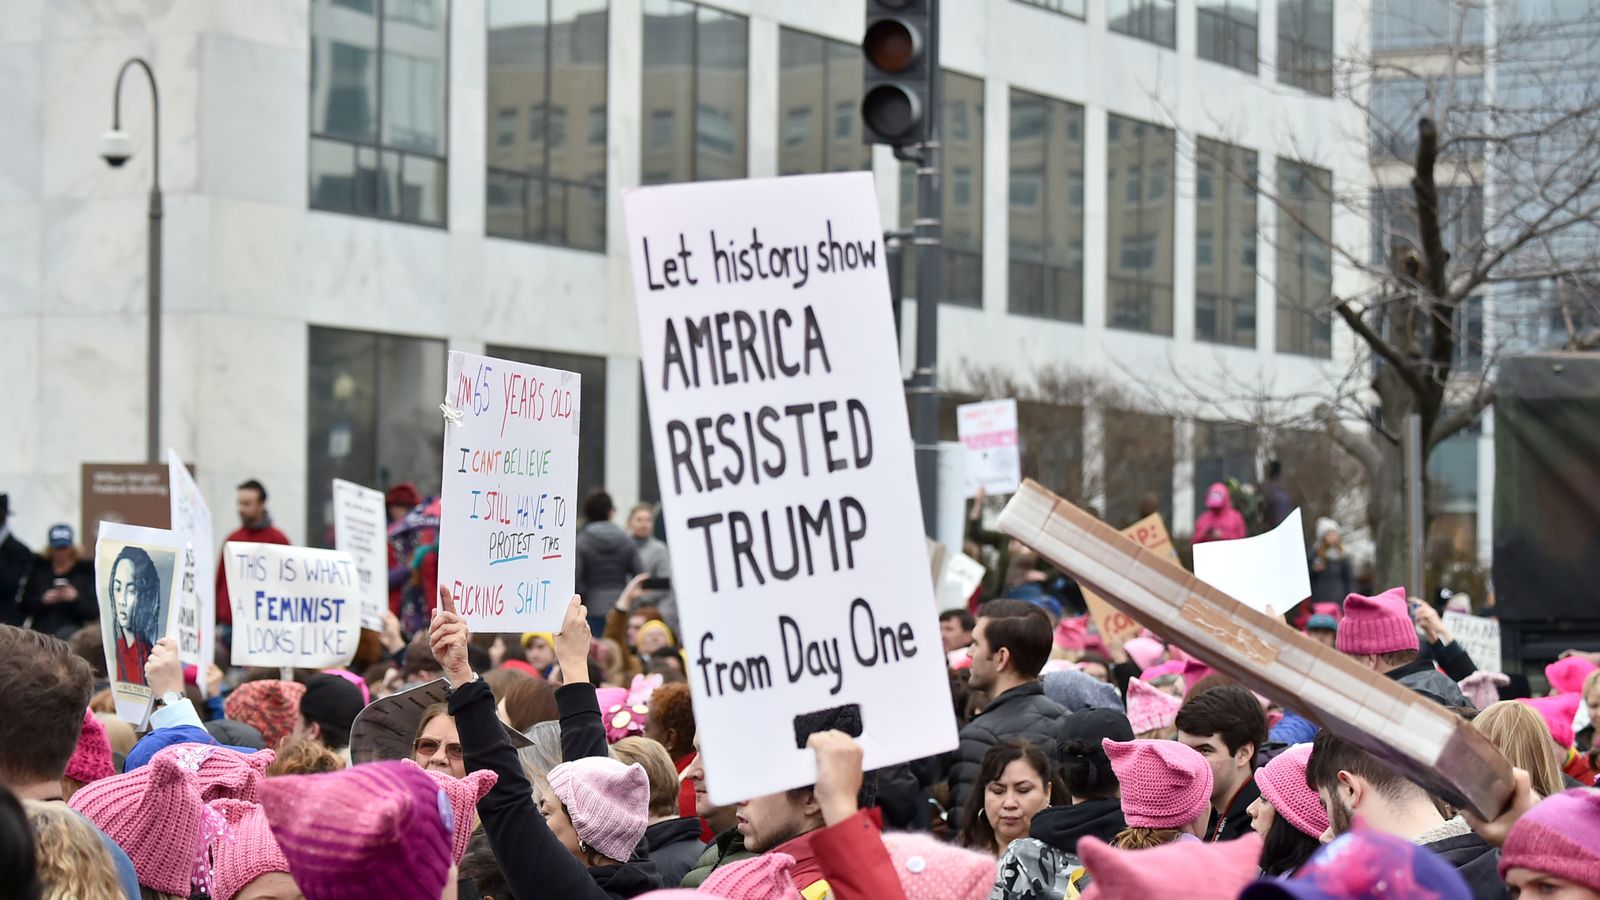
(222, 773)
(1073, 633)
(764, 877)
(1170, 667)
(155, 814)
(463, 794)
(1145, 652)
(930, 869)
(1283, 782)
(1558, 713)
(1150, 708)
(1193, 671)
(1165, 784)
(244, 851)
(1171, 870)
(1566, 676)
(91, 759)
(1380, 624)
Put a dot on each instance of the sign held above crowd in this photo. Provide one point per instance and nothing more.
(361, 530)
(1265, 572)
(988, 432)
(136, 573)
(196, 620)
(293, 607)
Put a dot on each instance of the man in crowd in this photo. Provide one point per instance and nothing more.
(728, 844)
(1355, 785)
(15, 561)
(606, 560)
(1225, 725)
(327, 710)
(1010, 644)
(657, 564)
(255, 527)
(955, 628)
(60, 594)
(1378, 632)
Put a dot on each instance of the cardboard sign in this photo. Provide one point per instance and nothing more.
(962, 575)
(131, 493)
(293, 607)
(385, 728)
(1480, 637)
(196, 625)
(1265, 572)
(361, 529)
(785, 463)
(508, 520)
(988, 431)
(1150, 533)
(136, 572)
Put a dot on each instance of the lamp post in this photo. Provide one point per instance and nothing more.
(116, 149)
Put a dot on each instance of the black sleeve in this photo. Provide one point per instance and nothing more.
(1453, 659)
(533, 861)
(1124, 672)
(583, 734)
(34, 585)
(87, 606)
(1349, 580)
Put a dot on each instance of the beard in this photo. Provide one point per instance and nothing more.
(1340, 816)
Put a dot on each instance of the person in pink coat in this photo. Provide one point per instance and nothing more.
(1220, 521)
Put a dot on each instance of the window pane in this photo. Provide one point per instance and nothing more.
(846, 151)
(1140, 226)
(1226, 32)
(802, 102)
(414, 70)
(1151, 20)
(1046, 207)
(1305, 260)
(721, 65)
(578, 91)
(422, 190)
(963, 197)
(333, 175)
(1068, 7)
(342, 409)
(410, 429)
(1138, 466)
(344, 71)
(668, 91)
(1305, 45)
(517, 40)
(1222, 451)
(1225, 239)
(506, 209)
(592, 405)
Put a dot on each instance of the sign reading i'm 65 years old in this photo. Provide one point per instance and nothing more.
(507, 523)
(785, 464)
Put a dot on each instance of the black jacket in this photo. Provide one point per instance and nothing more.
(605, 562)
(674, 847)
(1334, 582)
(1236, 822)
(15, 562)
(1062, 826)
(1451, 657)
(56, 618)
(1420, 676)
(1477, 862)
(1022, 712)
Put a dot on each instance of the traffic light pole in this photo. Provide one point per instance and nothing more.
(926, 238)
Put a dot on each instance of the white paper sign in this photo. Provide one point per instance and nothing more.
(786, 472)
(136, 573)
(196, 625)
(988, 431)
(1265, 570)
(508, 509)
(962, 575)
(1480, 637)
(296, 607)
(361, 529)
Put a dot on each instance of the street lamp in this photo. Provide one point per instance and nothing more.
(116, 148)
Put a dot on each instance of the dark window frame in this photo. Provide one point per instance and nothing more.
(827, 116)
(695, 108)
(1296, 52)
(1223, 159)
(1067, 304)
(1140, 230)
(1311, 331)
(1221, 19)
(1055, 6)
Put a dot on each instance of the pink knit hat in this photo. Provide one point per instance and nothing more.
(1150, 708)
(464, 794)
(1072, 633)
(930, 869)
(377, 830)
(270, 707)
(1170, 667)
(155, 814)
(1558, 713)
(1380, 624)
(608, 802)
(221, 773)
(1193, 870)
(91, 759)
(1195, 671)
(244, 851)
(766, 877)
(1165, 784)
(1145, 652)
(1566, 676)
(1483, 688)
(1559, 836)
(1283, 782)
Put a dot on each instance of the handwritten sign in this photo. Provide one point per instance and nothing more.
(1479, 636)
(360, 529)
(1150, 533)
(785, 463)
(294, 607)
(988, 431)
(962, 575)
(1264, 572)
(196, 626)
(136, 571)
(508, 522)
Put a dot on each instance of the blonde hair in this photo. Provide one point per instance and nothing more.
(305, 758)
(73, 862)
(1144, 838)
(1520, 733)
(1589, 683)
(657, 765)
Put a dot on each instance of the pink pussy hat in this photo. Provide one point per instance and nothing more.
(1558, 713)
(1193, 870)
(1150, 708)
(766, 877)
(1145, 652)
(1566, 676)
(221, 773)
(464, 794)
(1283, 782)
(155, 814)
(245, 849)
(930, 869)
(91, 759)
(1165, 784)
(1560, 836)
(608, 802)
(377, 831)
(1380, 624)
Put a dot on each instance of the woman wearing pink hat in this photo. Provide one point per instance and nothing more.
(1288, 815)
(1166, 792)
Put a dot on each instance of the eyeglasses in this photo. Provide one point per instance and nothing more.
(429, 746)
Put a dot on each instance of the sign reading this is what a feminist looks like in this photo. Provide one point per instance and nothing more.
(785, 464)
(508, 514)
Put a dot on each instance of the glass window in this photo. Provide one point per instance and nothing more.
(1140, 230)
(820, 87)
(1457, 103)
(373, 416)
(1225, 244)
(1155, 21)
(379, 76)
(1046, 209)
(591, 400)
(695, 65)
(1227, 32)
(1138, 466)
(1065, 7)
(1223, 451)
(1426, 24)
(549, 57)
(1305, 45)
(1305, 272)
(961, 256)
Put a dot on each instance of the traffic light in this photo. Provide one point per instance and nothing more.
(901, 61)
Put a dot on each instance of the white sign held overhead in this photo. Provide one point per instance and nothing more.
(785, 464)
(1268, 570)
(988, 431)
(293, 607)
(361, 530)
(962, 575)
(508, 507)
(136, 574)
(1479, 636)
(196, 625)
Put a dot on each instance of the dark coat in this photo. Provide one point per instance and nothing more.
(1451, 657)
(605, 562)
(15, 562)
(1420, 675)
(60, 619)
(1062, 826)
(1022, 712)
(1477, 862)
(1236, 821)
(675, 846)
(1334, 582)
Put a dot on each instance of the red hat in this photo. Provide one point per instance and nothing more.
(402, 494)
(1165, 784)
(270, 707)
(1380, 624)
(91, 759)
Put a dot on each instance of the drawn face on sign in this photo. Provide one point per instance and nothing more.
(123, 597)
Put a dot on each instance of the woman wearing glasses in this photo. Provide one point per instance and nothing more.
(437, 746)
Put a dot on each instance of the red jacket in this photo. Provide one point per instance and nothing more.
(845, 861)
(264, 535)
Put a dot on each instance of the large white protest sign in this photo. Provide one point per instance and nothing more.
(296, 607)
(508, 510)
(136, 574)
(1479, 636)
(988, 431)
(361, 530)
(196, 625)
(1268, 570)
(785, 464)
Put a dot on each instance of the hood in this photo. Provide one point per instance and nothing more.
(1062, 826)
(1217, 498)
(630, 879)
(609, 535)
(672, 831)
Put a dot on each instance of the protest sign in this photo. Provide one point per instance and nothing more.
(196, 621)
(293, 607)
(508, 508)
(1479, 636)
(784, 458)
(1113, 624)
(360, 529)
(988, 431)
(1264, 572)
(136, 571)
(386, 727)
(962, 575)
